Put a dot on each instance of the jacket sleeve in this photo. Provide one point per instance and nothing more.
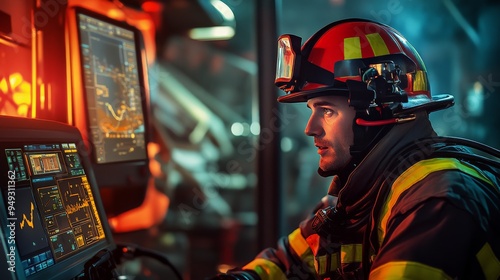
(292, 257)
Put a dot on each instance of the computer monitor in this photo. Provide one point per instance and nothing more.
(113, 84)
(116, 109)
(51, 214)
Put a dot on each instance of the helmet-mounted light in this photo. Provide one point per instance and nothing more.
(288, 62)
(293, 71)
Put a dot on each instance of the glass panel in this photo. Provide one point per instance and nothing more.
(204, 107)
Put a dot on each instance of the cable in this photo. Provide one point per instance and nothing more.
(101, 266)
(130, 251)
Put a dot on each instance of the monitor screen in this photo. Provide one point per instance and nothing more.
(53, 219)
(113, 85)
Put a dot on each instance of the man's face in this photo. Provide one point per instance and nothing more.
(330, 124)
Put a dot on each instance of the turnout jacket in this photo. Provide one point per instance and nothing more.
(408, 210)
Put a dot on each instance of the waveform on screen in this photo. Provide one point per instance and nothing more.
(73, 208)
(30, 220)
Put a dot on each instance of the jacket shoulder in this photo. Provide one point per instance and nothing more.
(458, 182)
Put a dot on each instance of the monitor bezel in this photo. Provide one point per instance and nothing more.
(30, 131)
(139, 47)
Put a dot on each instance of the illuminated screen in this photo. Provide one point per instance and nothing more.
(112, 81)
(53, 210)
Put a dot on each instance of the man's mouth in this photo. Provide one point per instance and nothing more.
(321, 148)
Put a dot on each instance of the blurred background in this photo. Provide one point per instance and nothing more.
(234, 168)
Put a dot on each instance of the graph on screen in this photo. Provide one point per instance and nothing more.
(111, 75)
(26, 220)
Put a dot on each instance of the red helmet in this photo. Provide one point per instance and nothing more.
(370, 63)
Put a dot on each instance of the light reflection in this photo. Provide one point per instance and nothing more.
(286, 144)
(255, 128)
(237, 129)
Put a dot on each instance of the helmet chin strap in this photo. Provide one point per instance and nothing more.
(363, 122)
(368, 130)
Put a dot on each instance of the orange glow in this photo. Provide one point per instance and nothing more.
(155, 9)
(154, 207)
(154, 165)
(152, 6)
(42, 96)
(15, 79)
(115, 13)
(69, 95)
(15, 95)
(3, 85)
(34, 73)
(151, 212)
(49, 96)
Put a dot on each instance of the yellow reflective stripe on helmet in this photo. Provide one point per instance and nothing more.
(301, 247)
(377, 43)
(266, 269)
(407, 270)
(489, 262)
(351, 253)
(414, 174)
(352, 48)
(420, 82)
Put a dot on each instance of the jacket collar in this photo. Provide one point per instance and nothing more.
(361, 180)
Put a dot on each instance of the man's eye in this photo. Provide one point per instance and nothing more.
(327, 112)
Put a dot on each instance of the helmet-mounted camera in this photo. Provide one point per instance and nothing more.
(380, 85)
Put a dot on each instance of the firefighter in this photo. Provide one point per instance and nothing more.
(404, 203)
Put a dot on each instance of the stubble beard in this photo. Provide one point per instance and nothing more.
(332, 163)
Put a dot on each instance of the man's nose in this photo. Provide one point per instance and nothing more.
(312, 128)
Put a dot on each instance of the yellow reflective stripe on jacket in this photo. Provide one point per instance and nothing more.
(321, 264)
(351, 253)
(413, 175)
(489, 262)
(301, 248)
(266, 269)
(407, 270)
